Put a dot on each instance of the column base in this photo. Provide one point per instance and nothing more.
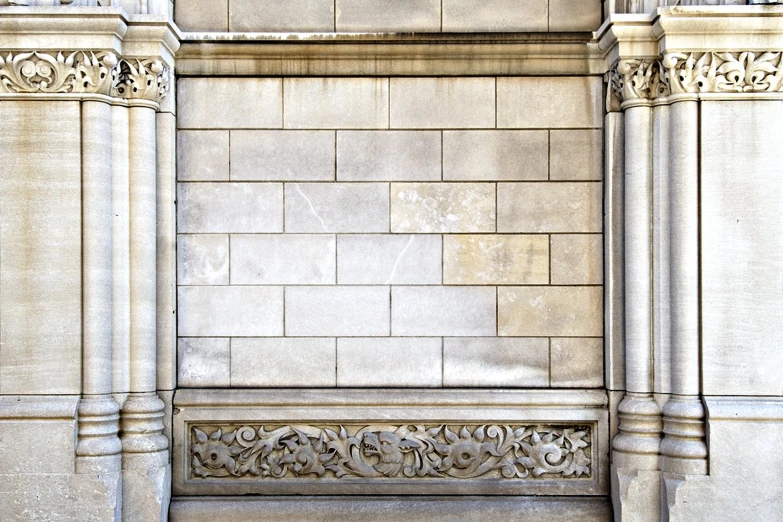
(636, 495)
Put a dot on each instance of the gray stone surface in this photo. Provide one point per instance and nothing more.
(336, 207)
(332, 103)
(202, 259)
(442, 207)
(389, 259)
(229, 207)
(495, 15)
(229, 103)
(282, 155)
(495, 155)
(398, 16)
(202, 155)
(415, 362)
(577, 259)
(333, 311)
(570, 15)
(201, 15)
(550, 207)
(549, 102)
(432, 103)
(388, 155)
(546, 311)
(431, 310)
(495, 260)
(203, 362)
(577, 362)
(288, 16)
(282, 259)
(488, 362)
(283, 362)
(576, 155)
(218, 311)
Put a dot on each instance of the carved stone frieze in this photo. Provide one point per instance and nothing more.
(90, 72)
(401, 451)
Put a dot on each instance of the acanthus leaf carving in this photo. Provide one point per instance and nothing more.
(407, 451)
(143, 79)
(724, 72)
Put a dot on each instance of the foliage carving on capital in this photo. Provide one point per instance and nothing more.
(637, 80)
(76, 72)
(146, 79)
(724, 72)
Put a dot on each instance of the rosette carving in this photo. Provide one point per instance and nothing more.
(724, 72)
(77, 72)
(146, 79)
(466, 452)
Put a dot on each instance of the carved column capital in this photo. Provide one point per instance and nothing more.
(143, 78)
(712, 72)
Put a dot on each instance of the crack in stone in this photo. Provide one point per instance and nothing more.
(397, 261)
(312, 208)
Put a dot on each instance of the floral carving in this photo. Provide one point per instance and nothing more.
(77, 72)
(724, 72)
(146, 79)
(491, 451)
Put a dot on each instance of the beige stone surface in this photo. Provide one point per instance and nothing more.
(413, 362)
(222, 311)
(489, 362)
(332, 311)
(577, 362)
(495, 260)
(40, 248)
(388, 155)
(202, 155)
(229, 207)
(577, 259)
(282, 155)
(283, 362)
(550, 311)
(398, 16)
(443, 311)
(202, 259)
(442, 207)
(433, 103)
(550, 207)
(550, 102)
(495, 155)
(201, 15)
(336, 207)
(576, 155)
(495, 15)
(331, 103)
(203, 362)
(281, 259)
(373, 259)
(574, 15)
(274, 16)
(229, 103)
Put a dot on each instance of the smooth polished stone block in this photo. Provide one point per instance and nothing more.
(389, 362)
(224, 311)
(495, 260)
(442, 207)
(550, 207)
(495, 155)
(336, 207)
(283, 362)
(282, 155)
(443, 311)
(282, 259)
(229, 103)
(495, 15)
(576, 155)
(490, 362)
(577, 362)
(575, 15)
(333, 311)
(541, 102)
(388, 155)
(336, 103)
(201, 15)
(202, 259)
(276, 16)
(203, 362)
(577, 259)
(202, 155)
(550, 311)
(399, 16)
(436, 103)
(229, 207)
(389, 259)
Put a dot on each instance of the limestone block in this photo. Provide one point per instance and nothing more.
(33, 446)
(577, 259)
(202, 155)
(388, 155)
(203, 362)
(489, 362)
(332, 103)
(495, 15)
(229, 103)
(577, 362)
(222, 311)
(395, 17)
(202, 259)
(574, 15)
(283, 362)
(550, 102)
(331, 311)
(434, 103)
(201, 15)
(443, 310)
(274, 16)
(336, 207)
(550, 207)
(547, 311)
(282, 155)
(229, 207)
(389, 259)
(495, 155)
(576, 155)
(282, 259)
(389, 362)
(495, 260)
(40, 248)
(442, 207)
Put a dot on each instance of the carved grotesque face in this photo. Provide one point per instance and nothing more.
(384, 444)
